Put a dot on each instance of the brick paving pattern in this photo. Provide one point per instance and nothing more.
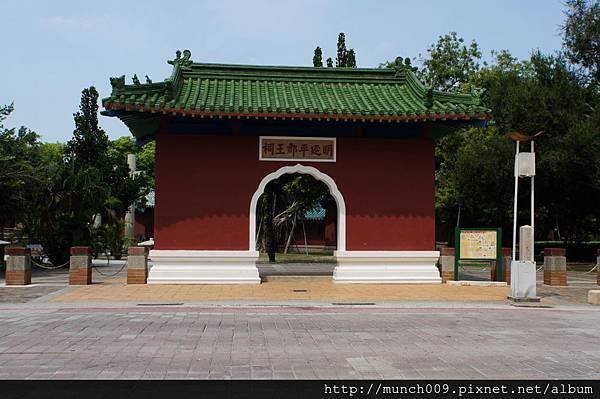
(282, 291)
(298, 343)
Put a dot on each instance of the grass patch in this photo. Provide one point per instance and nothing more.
(579, 267)
(324, 257)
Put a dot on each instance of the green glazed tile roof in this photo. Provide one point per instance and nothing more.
(244, 91)
(316, 214)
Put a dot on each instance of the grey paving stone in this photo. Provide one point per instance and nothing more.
(257, 343)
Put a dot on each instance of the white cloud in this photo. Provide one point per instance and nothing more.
(75, 22)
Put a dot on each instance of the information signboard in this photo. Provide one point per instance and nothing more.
(481, 244)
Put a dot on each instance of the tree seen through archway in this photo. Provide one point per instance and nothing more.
(282, 210)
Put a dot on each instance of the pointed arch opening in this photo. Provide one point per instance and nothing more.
(318, 175)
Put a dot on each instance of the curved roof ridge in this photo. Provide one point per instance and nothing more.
(264, 91)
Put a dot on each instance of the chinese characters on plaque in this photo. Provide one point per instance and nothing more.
(319, 149)
(478, 244)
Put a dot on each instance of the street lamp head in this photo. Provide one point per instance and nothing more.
(517, 136)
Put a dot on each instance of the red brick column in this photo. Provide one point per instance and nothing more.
(80, 267)
(447, 264)
(137, 265)
(18, 267)
(555, 266)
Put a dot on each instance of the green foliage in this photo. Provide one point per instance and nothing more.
(318, 58)
(283, 203)
(582, 35)
(64, 205)
(540, 94)
(89, 143)
(55, 190)
(450, 62)
(346, 58)
(351, 59)
(109, 238)
(340, 60)
(19, 155)
(474, 180)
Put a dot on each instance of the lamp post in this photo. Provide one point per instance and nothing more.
(523, 273)
(130, 215)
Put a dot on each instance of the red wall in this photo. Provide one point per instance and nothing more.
(204, 185)
(315, 233)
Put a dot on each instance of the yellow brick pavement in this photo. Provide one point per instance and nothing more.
(117, 290)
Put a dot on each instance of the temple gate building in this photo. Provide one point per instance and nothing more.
(223, 132)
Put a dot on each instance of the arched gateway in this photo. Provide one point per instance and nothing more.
(314, 172)
(223, 132)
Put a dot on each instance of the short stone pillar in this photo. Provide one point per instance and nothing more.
(447, 264)
(506, 259)
(555, 266)
(526, 244)
(80, 267)
(18, 267)
(594, 297)
(137, 265)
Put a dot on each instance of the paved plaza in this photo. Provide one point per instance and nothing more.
(52, 331)
(195, 342)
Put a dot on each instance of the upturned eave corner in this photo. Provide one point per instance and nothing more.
(187, 92)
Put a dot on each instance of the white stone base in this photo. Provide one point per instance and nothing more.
(203, 267)
(522, 279)
(478, 283)
(387, 267)
(594, 297)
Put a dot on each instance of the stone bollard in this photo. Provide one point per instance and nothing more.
(594, 297)
(137, 265)
(80, 267)
(18, 267)
(555, 266)
(506, 259)
(447, 264)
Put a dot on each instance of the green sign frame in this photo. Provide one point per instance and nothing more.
(457, 258)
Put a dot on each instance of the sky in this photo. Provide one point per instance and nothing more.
(51, 50)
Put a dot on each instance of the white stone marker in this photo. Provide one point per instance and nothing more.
(523, 276)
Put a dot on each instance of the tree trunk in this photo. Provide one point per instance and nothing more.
(268, 228)
(289, 240)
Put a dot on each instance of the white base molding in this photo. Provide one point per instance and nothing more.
(203, 267)
(387, 267)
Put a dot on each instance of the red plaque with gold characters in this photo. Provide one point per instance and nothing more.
(316, 149)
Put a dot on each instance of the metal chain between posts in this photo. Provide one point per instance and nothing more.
(539, 268)
(48, 267)
(593, 268)
(109, 275)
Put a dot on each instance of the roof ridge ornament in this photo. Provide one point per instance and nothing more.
(182, 61)
(118, 82)
(403, 65)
